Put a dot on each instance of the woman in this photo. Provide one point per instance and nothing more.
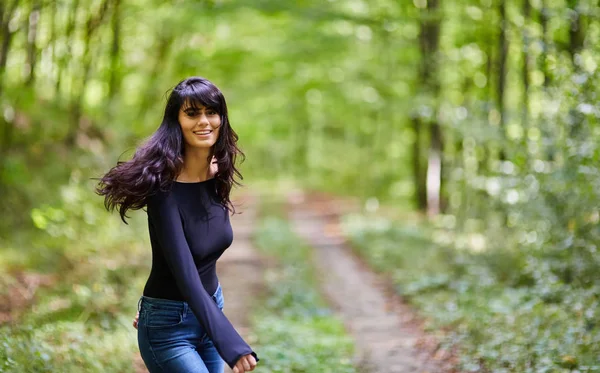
(183, 174)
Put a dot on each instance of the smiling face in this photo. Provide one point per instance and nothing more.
(200, 125)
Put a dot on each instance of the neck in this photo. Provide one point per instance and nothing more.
(196, 165)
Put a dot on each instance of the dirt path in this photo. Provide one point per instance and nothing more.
(240, 268)
(385, 332)
(240, 271)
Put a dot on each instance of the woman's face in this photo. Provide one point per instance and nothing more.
(200, 125)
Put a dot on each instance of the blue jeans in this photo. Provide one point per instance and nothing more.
(171, 340)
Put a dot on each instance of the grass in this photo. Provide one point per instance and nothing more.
(295, 330)
(485, 303)
(82, 322)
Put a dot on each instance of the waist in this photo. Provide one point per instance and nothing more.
(163, 303)
(161, 283)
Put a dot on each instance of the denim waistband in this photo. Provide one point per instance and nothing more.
(175, 304)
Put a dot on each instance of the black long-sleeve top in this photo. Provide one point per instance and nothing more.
(189, 230)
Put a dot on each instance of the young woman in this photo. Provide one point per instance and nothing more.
(183, 176)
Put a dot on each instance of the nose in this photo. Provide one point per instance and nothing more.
(203, 120)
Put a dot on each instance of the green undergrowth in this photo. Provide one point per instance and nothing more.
(80, 320)
(296, 331)
(494, 307)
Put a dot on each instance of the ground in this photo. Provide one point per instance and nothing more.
(387, 334)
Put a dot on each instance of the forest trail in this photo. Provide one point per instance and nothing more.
(240, 271)
(385, 331)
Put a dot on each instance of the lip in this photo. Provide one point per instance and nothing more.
(203, 135)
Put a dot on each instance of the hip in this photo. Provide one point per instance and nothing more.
(161, 313)
(171, 339)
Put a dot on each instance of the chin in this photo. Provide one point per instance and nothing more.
(204, 144)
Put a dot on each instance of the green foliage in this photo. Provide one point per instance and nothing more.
(67, 347)
(82, 321)
(339, 95)
(503, 310)
(295, 330)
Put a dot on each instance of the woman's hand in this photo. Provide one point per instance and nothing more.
(245, 364)
(135, 321)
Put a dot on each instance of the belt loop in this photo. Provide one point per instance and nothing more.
(139, 307)
(185, 308)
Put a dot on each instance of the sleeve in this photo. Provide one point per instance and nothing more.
(166, 220)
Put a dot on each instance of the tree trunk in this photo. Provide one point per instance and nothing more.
(6, 129)
(6, 14)
(501, 64)
(68, 34)
(419, 177)
(32, 29)
(546, 42)
(434, 170)
(576, 41)
(546, 127)
(53, 37)
(525, 75)
(429, 44)
(162, 51)
(576, 31)
(115, 76)
(94, 21)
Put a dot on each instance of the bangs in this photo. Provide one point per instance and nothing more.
(196, 96)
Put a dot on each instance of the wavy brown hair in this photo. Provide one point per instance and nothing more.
(158, 161)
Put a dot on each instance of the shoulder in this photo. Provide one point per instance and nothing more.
(161, 199)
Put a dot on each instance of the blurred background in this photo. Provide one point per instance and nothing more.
(465, 133)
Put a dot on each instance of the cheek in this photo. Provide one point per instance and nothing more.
(217, 127)
(186, 123)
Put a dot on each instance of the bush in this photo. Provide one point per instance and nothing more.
(500, 308)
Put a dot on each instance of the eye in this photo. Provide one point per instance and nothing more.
(211, 112)
(191, 113)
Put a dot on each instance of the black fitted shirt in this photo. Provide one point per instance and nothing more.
(190, 230)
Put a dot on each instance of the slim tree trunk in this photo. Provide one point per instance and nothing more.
(429, 44)
(544, 17)
(6, 129)
(161, 53)
(547, 42)
(576, 31)
(114, 80)
(525, 74)
(32, 29)
(434, 170)
(6, 14)
(419, 177)
(486, 150)
(94, 21)
(70, 28)
(576, 42)
(53, 38)
(501, 65)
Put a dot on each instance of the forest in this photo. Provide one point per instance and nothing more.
(466, 131)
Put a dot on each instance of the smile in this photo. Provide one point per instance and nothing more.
(203, 132)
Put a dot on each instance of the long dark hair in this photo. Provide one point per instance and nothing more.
(158, 161)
